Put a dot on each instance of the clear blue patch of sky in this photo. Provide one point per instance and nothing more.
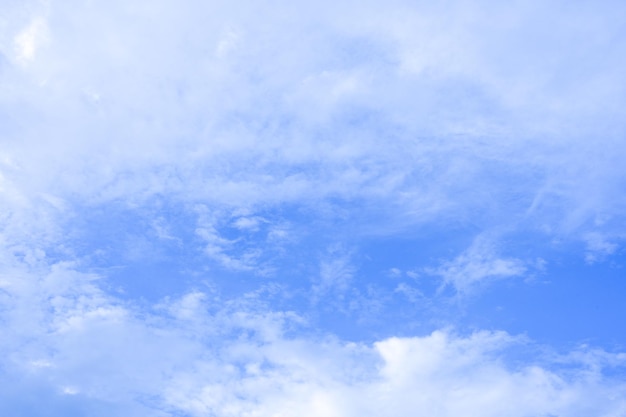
(569, 301)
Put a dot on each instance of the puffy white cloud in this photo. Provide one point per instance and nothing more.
(203, 353)
(196, 357)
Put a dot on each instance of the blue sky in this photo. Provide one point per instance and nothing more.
(326, 209)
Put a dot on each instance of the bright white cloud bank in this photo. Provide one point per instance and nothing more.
(255, 146)
(425, 112)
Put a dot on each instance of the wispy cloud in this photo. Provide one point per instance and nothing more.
(476, 266)
(194, 356)
(290, 146)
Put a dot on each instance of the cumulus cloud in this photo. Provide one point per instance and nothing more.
(83, 350)
(196, 357)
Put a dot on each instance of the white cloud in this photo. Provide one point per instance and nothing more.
(362, 119)
(598, 247)
(200, 354)
(412, 294)
(30, 39)
(252, 243)
(477, 265)
(248, 223)
(244, 128)
(439, 374)
(336, 271)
